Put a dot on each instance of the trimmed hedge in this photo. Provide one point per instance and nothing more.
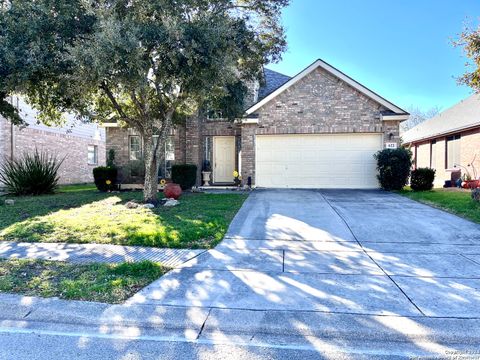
(422, 179)
(393, 167)
(184, 175)
(105, 177)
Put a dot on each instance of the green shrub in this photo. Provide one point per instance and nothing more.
(105, 177)
(393, 167)
(184, 175)
(31, 174)
(111, 158)
(422, 179)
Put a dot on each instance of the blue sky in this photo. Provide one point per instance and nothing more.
(399, 48)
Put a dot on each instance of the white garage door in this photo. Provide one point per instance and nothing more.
(317, 161)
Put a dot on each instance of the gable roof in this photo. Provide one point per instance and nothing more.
(464, 115)
(322, 64)
(272, 81)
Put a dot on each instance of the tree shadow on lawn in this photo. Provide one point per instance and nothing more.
(29, 207)
(103, 218)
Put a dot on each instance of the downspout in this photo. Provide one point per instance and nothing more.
(12, 144)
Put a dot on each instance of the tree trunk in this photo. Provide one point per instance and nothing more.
(150, 186)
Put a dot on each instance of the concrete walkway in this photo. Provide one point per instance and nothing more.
(96, 253)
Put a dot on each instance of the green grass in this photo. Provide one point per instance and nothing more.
(458, 202)
(95, 282)
(76, 188)
(77, 215)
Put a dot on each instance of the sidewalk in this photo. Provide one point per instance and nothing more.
(333, 335)
(96, 253)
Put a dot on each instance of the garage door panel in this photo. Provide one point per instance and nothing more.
(317, 161)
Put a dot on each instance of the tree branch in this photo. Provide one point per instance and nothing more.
(123, 116)
(138, 104)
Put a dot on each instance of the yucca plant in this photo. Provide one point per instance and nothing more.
(31, 174)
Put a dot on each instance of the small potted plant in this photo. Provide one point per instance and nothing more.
(206, 172)
(468, 182)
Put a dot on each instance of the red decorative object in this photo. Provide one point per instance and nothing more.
(471, 184)
(172, 191)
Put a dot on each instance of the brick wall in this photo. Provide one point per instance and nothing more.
(198, 132)
(117, 138)
(75, 168)
(320, 103)
(469, 147)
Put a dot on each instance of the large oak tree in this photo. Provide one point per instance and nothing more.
(146, 64)
(34, 38)
(470, 41)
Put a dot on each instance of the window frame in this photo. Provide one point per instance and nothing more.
(139, 151)
(95, 154)
(449, 139)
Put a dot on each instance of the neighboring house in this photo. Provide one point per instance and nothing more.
(319, 129)
(82, 145)
(448, 142)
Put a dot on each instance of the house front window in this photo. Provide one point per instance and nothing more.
(433, 154)
(208, 149)
(167, 157)
(135, 147)
(92, 157)
(452, 151)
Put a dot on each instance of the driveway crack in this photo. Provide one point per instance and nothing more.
(366, 253)
(204, 323)
(471, 260)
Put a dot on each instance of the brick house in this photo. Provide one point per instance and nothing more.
(448, 142)
(317, 129)
(82, 145)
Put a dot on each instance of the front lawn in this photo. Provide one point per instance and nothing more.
(458, 202)
(107, 283)
(84, 215)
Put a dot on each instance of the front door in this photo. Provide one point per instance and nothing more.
(223, 159)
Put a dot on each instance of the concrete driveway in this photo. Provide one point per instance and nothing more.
(338, 251)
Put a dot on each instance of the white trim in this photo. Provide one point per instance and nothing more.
(394, 117)
(109, 125)
(249, 121)
(441, 134)
(333, 71)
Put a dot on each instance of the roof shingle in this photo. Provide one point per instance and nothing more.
(464, 115)
(272, 81)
